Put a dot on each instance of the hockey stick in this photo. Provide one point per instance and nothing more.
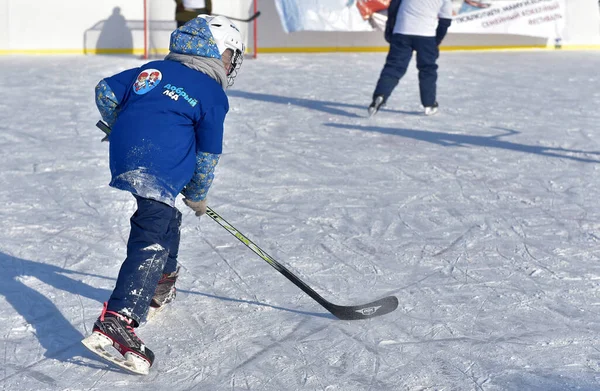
(364, 311)
(105, 128)
(250, 19)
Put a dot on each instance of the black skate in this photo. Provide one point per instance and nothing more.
(114, 329)
(164, 294)
(378, 102)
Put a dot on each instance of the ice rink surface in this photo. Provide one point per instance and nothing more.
(483, 220)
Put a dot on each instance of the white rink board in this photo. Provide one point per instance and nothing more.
(75, 26)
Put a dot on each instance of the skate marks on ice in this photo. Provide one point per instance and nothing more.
(238, 281)
(31, 289)
(460, 140)
(253, 303)
(510, 304)
(487, 311)
(284, 355)
(331, 107)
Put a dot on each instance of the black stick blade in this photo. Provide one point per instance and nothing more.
(365, 311)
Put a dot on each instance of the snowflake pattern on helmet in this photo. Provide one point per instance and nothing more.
(194, 38)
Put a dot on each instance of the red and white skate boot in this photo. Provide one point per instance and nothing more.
(116, 330)
(164, 294)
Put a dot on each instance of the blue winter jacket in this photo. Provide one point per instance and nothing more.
(167, 128)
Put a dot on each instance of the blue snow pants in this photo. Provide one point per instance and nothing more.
(396, 64)
(151, 251)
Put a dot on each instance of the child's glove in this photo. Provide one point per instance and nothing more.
(197, 206)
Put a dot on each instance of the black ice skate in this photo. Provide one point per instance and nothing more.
(164, 294)
(114, 329)
(378, 102)
(431, 110)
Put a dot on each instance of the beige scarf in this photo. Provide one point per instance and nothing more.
(212, 67)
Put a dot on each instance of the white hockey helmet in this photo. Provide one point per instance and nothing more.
(227, 36)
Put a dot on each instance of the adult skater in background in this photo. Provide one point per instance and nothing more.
(186, 10)
(167, 135)
(413, 25)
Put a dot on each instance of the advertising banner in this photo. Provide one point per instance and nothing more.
(537, 18)
(540, 18)
(322, 15)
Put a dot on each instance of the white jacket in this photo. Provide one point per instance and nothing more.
(194, 4)
(420, 17)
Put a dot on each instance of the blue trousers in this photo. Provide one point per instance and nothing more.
(396, 64)
(151, 251)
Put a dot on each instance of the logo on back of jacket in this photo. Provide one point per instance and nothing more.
(150, 78)
(146, 81)
(175, 93)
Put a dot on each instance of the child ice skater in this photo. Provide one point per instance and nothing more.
(166, 139)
